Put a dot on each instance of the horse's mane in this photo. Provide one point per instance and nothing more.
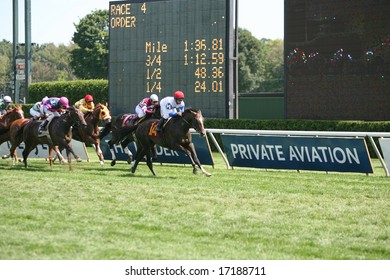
(191, 110)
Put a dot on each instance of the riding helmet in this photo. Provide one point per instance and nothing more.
(88, 98)
(7, 99)
(64, 101)
(154, 98)
(178, 95)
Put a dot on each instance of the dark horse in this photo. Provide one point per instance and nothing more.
(175, 136)
(7, 119)
(59, 135)
(122, 127)
(91, 134)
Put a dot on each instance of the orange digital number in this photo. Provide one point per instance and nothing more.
(152, 130)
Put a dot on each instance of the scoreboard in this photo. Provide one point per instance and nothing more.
(161, 46)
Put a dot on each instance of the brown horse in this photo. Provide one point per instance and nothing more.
(16, 137)
(7, 119)
(122, 128)
(175, 136)
(60, 135)
(91, 134)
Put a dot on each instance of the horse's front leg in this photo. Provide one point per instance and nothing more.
(99, 152)
(189, 150)
(58, 153)
(69, 152)
(126, 149)
(113, 156)
(51, 157)
(68, 147)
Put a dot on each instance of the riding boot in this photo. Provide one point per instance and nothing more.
(160, 125)
(42, 126)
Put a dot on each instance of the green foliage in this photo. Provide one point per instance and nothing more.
(260, 64)
(51, 63)
(5, 67)
(250, 69)
(103, 212)
(90, 59)
(73, 90)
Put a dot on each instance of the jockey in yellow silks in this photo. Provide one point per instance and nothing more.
(85, 104)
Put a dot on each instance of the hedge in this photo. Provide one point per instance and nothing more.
(76, 90)
(73, 90)
(300, 125)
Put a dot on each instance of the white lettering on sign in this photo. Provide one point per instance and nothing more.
(296, 153)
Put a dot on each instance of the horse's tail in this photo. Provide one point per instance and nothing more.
(125, 130)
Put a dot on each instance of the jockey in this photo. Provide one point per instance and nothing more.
(145, 107)
(5, 104)
(85, 104)
(35, 110)
(171, 106)
(52, 108)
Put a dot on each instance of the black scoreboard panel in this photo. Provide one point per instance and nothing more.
(337, 57)
(163, 46)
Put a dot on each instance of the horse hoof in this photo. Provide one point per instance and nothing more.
(79, 160)
(101, 162)
(113, 162)
(129, 160)
(132, 170)
(208, 174)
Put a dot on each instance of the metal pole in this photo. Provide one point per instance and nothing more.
(15, 42)
(27, 54)
(236, 62)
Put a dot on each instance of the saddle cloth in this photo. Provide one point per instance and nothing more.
(127, 118)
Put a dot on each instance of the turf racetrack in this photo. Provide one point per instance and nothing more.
(104, 212)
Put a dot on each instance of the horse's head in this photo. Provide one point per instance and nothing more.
(13, 114)
(77, 117)
(104, 113)
(157, 111)
(195, 119)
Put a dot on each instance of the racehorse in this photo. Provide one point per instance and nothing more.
(58, 138)
(91, 134)
(16, 137)
(7, 119)
(121, 128)
(175, 136)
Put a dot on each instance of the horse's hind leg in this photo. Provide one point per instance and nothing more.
(149, 162)
(140, 154)
(25, 153)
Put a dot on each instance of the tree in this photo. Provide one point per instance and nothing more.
(90, 59)
(250, 68)
(273, 62)
(260, 64)
(51, 63)
(5, 67)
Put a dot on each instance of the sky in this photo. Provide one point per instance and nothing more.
(53, 21)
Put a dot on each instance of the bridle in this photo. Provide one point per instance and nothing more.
(189, 124)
